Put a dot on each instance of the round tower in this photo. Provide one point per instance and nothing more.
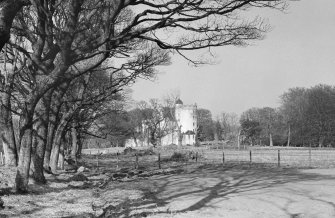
(179, 106)
(195, 118)
(179, 102)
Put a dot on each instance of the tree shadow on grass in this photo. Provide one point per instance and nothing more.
(201, 186)
(25, 204)
(207, 184)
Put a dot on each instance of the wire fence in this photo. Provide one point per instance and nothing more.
(280, 157)
(165, 157)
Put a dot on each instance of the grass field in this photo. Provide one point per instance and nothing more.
(281, 156)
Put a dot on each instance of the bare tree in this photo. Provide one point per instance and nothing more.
(320, 114)
(8, 11)
(293, 106)
(63, 40)
(230, 126)
(7, 89)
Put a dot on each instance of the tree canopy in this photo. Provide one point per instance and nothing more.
(305, 117)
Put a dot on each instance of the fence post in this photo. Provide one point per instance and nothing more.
(159, 160)
(98, 160)
(196, 157)
(278, 158)
(136, 163)
(223, 157)
(250, 155)
(1, 159)
(117, 160)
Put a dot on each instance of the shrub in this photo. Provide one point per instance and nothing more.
(170, 147)
(145, 152)
(178, 156)
(129, 150)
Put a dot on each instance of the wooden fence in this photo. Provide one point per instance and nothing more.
(302, 157)
(294, 157)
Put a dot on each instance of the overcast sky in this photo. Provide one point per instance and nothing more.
(298, 52)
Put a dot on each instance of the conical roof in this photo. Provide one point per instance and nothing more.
(179, 101)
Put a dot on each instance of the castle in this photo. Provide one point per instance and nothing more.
(183, 130)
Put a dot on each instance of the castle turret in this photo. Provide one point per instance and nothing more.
(186, 116)
(179, 106)
(179, 102)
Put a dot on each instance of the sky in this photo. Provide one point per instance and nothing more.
(299, 51)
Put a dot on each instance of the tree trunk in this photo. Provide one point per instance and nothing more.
(196, 137)
(56, 146)
(80, 146)
(56, 129)
(8, 11)
(48, 147)
(54, 101)
(216, 137)
(301, 139)
(148, 137)
(180, 137)
(38, 155)
(55, 152)
(8, 135)
(238, 139)
(289, 136)
(26, 140)
(271, 141)
(22, 175)
(9, 147)
(41, 139)
(74, 143)
(321, 141)
(135, 140)
(61, 156)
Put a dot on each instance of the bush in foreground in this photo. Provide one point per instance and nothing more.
(178, 157)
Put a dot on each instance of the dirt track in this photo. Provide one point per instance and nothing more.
(244, 192)
(241, 191)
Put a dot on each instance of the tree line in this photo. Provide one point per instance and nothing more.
(305, 117)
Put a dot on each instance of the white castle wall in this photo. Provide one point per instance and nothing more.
(169, 139)
(186, 116)
(131, 142)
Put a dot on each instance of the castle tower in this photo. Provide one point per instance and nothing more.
(186, 116)
(179, 107)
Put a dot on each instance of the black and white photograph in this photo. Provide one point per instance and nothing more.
(167, 108)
